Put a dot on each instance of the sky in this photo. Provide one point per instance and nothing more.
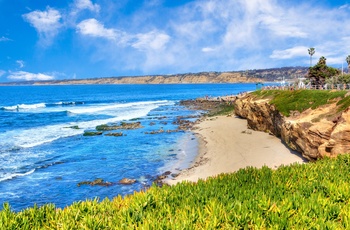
(78, 39)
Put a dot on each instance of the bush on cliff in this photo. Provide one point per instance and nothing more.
(300, 100)
(301, 196)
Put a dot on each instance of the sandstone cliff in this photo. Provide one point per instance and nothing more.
(226, 77)
(314, 133)
(256, 75)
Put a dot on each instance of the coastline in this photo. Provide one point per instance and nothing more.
(225, 145)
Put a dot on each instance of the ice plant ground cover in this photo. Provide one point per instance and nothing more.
(300, 196)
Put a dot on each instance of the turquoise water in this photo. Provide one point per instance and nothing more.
(42, 159)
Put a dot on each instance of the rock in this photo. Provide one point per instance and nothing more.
(311, 133)
(115, 134)
(127, 181)
(174, 175)
(98, 181)
(92, 133)
(123, 125)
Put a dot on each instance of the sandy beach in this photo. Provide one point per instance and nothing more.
(226, 145)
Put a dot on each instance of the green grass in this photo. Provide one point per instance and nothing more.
(307, 196)
(300, 100)
(344, 103)
(222, 110)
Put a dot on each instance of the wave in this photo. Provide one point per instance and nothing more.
(24, 106)
(32, 137)
(14, 175)
(62, 103)
(107, 108)
(78, 107)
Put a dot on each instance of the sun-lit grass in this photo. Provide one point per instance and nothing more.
(300, 100)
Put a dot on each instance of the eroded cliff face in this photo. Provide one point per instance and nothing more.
(314, 133)
(225, 77)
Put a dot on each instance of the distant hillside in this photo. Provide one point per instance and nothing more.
(264, 75)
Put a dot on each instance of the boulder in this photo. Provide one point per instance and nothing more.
(127, 181)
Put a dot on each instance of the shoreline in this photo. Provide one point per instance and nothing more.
(225, 145)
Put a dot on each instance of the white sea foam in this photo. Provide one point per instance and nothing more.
(105, 109)
(25, 106)
(14, 175)
(45, 134)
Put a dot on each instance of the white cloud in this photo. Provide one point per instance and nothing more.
(86, 5)
(208, 49)
(283, 27)
(26, 76)
(215, 35)
(2, 72)
(151, 41)
(47, 23)
(346, 7)
(4, 39)
(92, 27)
(297, 51)
(20, 63)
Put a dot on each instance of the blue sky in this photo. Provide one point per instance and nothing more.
(42, 40)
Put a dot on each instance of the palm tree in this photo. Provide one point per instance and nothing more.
(348, 61)
(311, 52)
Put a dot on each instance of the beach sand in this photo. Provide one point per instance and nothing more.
(226, 145)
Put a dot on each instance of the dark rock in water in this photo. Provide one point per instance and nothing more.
(155, 131)
(175, 175)
(162, 131)
(98, 181)
(115, 134)
(159, 179)
(152, 123)
(127, 181)
(92, 133)
(123, 125)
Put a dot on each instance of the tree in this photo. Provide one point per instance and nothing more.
(311, 52)
(319, 73)
(348, 61)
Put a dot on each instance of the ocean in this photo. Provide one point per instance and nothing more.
(44, 154)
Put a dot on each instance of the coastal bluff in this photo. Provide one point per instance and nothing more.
(315, 133)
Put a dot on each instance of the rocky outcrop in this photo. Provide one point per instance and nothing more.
(314, 133)
(127, 181)
(98, 181)
(123, 125)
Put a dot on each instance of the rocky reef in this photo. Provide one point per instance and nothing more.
(315, 133)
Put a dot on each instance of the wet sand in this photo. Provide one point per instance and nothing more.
(226, 145)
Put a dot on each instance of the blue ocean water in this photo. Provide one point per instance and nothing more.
(42, 159)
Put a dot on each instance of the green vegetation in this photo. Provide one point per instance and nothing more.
(338, 79)
(221, 110)
(319, 73)
(301, 196)
(300, 100)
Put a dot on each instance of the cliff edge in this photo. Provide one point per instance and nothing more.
(315, 133)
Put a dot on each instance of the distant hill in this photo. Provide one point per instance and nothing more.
(260, 75)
